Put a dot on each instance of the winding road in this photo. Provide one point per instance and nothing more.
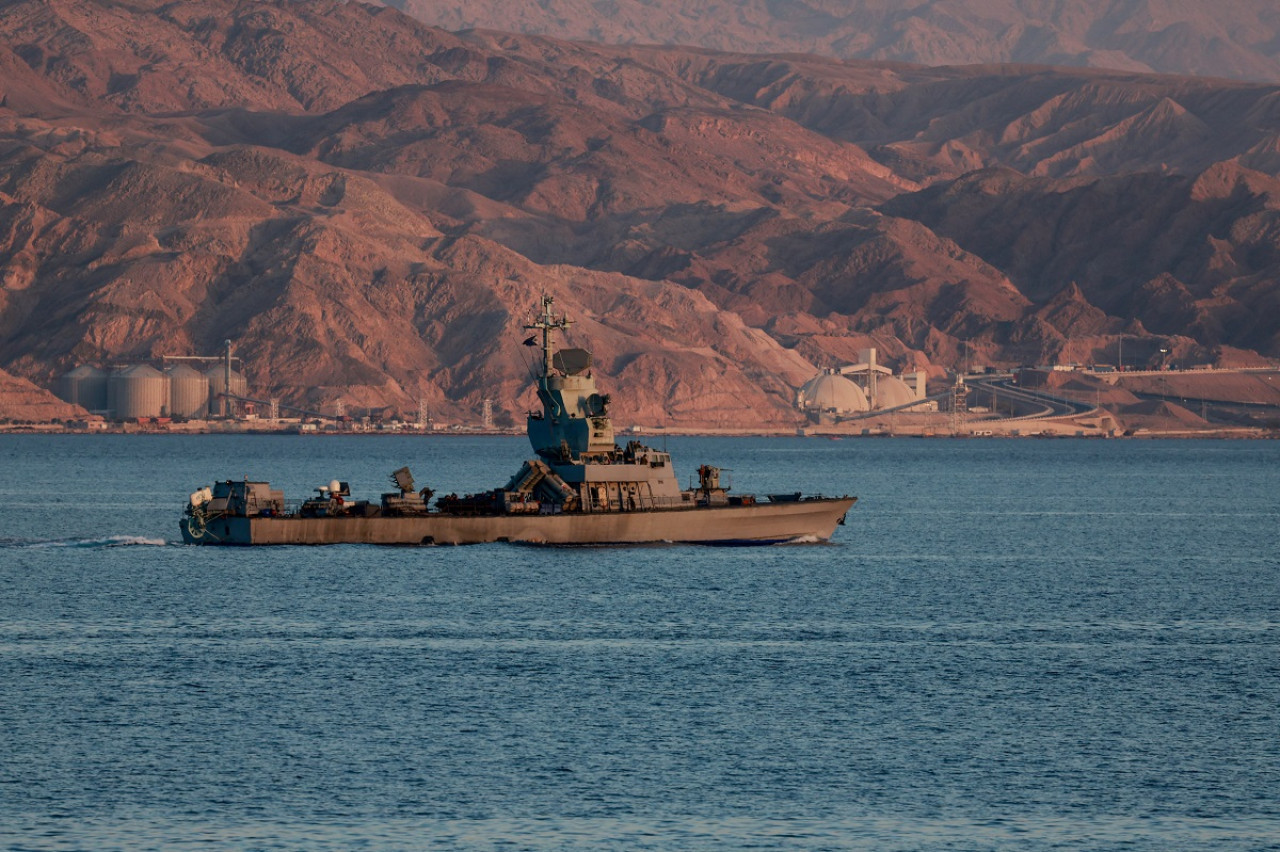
(1050, 405)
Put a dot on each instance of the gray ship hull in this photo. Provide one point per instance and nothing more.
(758, 523)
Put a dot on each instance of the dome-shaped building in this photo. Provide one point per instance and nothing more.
(892, 392)
(831, 393)
(857, 389)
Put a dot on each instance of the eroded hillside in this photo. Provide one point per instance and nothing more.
(369, 208)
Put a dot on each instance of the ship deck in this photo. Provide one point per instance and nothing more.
(812, 518)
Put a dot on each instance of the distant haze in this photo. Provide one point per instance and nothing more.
(1224, 38)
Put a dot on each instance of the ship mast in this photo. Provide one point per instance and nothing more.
(547, 323)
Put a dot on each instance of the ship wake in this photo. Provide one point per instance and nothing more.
(101, 542)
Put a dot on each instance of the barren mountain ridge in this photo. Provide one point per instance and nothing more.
(369, 208)
(1229, 38)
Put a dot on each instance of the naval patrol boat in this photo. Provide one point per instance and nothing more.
(581, 488)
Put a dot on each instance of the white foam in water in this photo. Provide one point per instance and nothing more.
(108, 541)
(131, 541)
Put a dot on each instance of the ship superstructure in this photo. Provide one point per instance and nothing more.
(579, 465)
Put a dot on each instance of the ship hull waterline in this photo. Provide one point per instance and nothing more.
(759, 523)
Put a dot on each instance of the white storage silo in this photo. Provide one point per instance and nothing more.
(188, 392)
(84, 386)
(137, 391)
(218, 382)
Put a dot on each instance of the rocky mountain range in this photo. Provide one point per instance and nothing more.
(1237, 39)
(369, 209)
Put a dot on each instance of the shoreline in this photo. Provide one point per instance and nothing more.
(976, 430)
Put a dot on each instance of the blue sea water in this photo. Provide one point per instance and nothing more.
(1013, 644)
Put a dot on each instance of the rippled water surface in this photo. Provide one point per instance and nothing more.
(1012, 645)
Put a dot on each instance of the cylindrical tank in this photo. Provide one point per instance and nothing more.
(84, 386)
(137, 391)
(218, 383)
(188, 392)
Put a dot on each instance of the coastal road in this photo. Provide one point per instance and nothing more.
(1049, 405)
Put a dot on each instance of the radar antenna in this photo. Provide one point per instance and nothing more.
(547, 323)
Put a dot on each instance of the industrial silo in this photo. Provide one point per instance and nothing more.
(218, 382)
(833, 393)
(137, 391)
(188, 392)
(84, 386)
(893, 392)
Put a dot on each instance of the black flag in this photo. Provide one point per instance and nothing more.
(531, 340)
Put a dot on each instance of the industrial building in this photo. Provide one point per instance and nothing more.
(224, 381)
(858, 389)
(188, 392)
(85, 386)
(140, 391)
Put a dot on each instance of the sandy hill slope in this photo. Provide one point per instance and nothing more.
(369, 208)
(22, 402)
